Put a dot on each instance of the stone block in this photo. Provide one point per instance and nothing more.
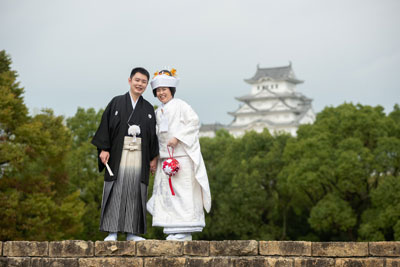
(196, 248)
(214, 262)
(164, 262)
(234, 248)
(159, 248)
(25, 249)
(366, 262)
(285, 248)
(222, 261)
(15, 262)
(389, 249)
(249, 261)
(115, 248)
(314, 262)
(111, 262)
(198, 262)
(339, 249)
(279, 262)
(56, 262)
(392, 262)
(71, 248)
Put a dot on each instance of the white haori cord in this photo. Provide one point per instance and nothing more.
(134, 130)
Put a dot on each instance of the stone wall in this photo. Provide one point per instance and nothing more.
(199, 253)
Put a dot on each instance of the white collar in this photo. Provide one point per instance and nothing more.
(133, 101)
(164, 105)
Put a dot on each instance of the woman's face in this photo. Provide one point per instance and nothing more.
(163, 94)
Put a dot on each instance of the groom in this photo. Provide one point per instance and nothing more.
(128, 155)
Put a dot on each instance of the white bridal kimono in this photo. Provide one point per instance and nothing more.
(182, 213)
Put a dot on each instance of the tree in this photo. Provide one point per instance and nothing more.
(83, 169)
(34, 202)
(333, 165)
(382, 220)
(243, 175)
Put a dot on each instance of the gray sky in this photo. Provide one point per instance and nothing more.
(74, 53)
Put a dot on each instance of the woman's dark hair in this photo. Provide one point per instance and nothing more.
(142, 71)
(172, 89)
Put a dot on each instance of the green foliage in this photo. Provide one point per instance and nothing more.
(331, 182)
(34, 201)
(332, 214)
(12, 108)
(243, 175)
(83, 171)
(336, 165)
(381, 221)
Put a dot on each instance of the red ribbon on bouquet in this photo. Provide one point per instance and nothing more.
(170, 167)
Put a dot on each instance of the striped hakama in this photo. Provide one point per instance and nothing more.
(124, 200)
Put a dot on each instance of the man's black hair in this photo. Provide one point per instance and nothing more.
(142, 71)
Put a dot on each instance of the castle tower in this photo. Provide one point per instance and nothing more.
(273, 103)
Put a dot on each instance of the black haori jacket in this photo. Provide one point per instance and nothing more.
(114, 127)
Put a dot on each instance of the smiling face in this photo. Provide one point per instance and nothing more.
(163, 94)
(138, 84)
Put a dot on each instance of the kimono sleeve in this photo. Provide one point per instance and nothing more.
(101, 138)
(154, 148)
(188, 133)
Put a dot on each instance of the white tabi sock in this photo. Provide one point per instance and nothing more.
(180, 237)
(170, 237)
(132, 237)
(111, 237)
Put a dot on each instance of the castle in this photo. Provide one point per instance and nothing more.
(273, 103)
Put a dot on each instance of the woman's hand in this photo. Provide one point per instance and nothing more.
(153, 165)
(173, 142)
(104, 156)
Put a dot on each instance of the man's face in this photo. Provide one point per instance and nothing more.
(138, 83)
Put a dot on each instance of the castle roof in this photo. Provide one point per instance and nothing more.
(252, 97)
(296, 110)
(265, 121)
(284, 73)
(211, 127)
(296, 122)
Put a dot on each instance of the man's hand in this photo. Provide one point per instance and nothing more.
(173, 142)
(104, 156)
(153, 165)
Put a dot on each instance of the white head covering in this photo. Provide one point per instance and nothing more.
(164, 79)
